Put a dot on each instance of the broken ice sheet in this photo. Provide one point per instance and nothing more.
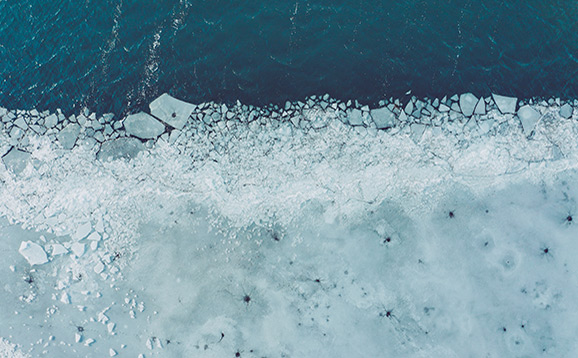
(33, 253)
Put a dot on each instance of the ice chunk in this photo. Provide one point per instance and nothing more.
(51, 121)
(143, 126)
(82, 231)
(33, 253)
(77, 248)
(505, 104)
(99, 267)
(65, 298)
(417, 131)
(68, 136)
(355, 118)
(120, 148)
(383, 118)
(172, 111)
(566, 111)
(409, 108)
(58, 249)
(480, 107)
(21, 123)
(16, 160)
(94, 236)
(529, 117)
(468, 103)
(443, 108)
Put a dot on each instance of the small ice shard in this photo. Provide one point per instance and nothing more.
(480, 107)
(89, 341)
(82, 231)
(33, 253)
(110, 327)
(77, 337)
(172, 111)
(443, 108)
(566, 111)
(21, 123)
(99, 267)
(68, 136)
(529, 117)
(78, 249)
(65, 298)
(111, 352)
(51, 121)
(402, 116)
(468, 103)
(16, 160)
(93, 237)
(505, 104)
(417, 131)
(355, 118)
(409, 108)
(143, 126)
(383, 118)
(120, 148)
(58, 249)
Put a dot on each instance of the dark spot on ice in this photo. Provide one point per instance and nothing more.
(487, 211)
(504, 329)
(174, 115)
(237, 354)
(546, 250)
(486, 243)
(80, 329)
(387, 239)
(569, 218)
(451, 214)
(29, 279)
(246, 299)
(168, 341)
(317, 280)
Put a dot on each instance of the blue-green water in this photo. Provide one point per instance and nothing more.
(119, 55)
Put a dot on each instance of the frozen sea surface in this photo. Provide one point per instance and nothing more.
(276, 241)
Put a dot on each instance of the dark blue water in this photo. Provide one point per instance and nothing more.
(119, 55)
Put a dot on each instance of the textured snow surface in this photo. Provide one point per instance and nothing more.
(272, 241)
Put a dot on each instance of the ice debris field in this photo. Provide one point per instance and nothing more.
(422, 228)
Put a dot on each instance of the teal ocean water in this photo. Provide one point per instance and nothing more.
(116, 56)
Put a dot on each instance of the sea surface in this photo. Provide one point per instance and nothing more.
(116, 56)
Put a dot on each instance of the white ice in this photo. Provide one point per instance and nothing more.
(172, 111)
(143, 126)
(269, 240)
(33, 253)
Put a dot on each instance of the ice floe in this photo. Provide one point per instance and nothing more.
(529, 117)
(143, 126)
(33, 253)
(566, 111)
(505, 104)
(468, 103)
(172, 111)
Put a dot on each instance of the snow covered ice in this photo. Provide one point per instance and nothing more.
(408, 230)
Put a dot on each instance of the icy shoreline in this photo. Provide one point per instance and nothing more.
(176, 121)
(242, 180)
